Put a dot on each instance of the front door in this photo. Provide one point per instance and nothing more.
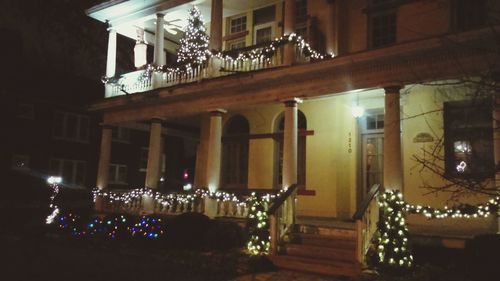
(372, 161)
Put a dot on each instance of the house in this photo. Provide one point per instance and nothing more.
(397, 104)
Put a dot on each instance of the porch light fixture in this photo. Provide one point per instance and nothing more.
(357, 110)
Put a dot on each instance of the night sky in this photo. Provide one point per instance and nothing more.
(53, 43)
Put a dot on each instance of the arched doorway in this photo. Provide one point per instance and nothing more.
(235, 153)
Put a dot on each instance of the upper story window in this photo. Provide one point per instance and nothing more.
(468, 138)
(300, 11)
(263, 21)
(121, 134)
(71, 126)
(469, 14)
(71, 171)
(263, 33)
(25, 111)
(382, 28)
(238, 24)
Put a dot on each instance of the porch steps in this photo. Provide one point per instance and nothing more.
(321, 250)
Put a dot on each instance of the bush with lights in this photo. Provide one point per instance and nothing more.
(258, 226)
(391, 243)
(148, 227)
(193, 49)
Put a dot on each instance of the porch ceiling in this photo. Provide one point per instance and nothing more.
(128, 15)
(409, 63)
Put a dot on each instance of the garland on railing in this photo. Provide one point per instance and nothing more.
(391, 241)
(264, 53)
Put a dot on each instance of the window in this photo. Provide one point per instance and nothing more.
(238, 24)
(117, 174)
(301, 150)
(71, 126)
(20, 162)
(71, 171)
(235, 153)
(264, 15)
(375, 121)
(468, 139)
(121, 134)
(263, 34)
(301, 11)
(25, 111)
(238, 44)
(382, 28)
(469, 14)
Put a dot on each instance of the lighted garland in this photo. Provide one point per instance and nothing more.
(460, 211)
(54, 185)
(391, 243)
(258, 226)
(263, 53)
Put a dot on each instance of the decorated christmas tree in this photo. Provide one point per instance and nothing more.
(194, 44)
(258, 227)
(392, 245)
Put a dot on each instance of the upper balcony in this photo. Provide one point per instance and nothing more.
(244, 36)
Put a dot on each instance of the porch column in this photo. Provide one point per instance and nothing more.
(393, 165)
(103, 165)
(111, 59)
(159, 54)
(140, 50)
(290, 144)
(154, 154)
(216, 26)
(288, 28)
(330, 28)
(214, 150)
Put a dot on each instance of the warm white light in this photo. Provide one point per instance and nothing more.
(54, 180)
(187, 187)
(357, 111)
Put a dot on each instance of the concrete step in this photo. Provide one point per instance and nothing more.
(321, 252)
(318, 266)
(325, 241)
(349, 233)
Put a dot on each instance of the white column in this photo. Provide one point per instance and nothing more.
(103, 165)
(216, 26)
(140, 50)
(159, 54)
(393, 165)
(290, 135)
(288, 28)
(154, 154)
(104, 158)
(214, 150)
(111, 60)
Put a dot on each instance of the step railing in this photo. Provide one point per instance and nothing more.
(282, 217)
(366, 217)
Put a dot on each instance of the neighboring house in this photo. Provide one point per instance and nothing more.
(267, 125)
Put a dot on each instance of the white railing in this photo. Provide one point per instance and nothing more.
(210, 206)
(366, 217)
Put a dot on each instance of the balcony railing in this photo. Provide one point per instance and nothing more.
(222, 64)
